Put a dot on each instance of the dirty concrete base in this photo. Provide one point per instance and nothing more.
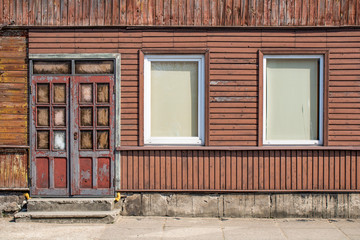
(11, 202)
(244, 205)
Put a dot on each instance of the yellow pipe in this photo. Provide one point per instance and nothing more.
(27, 196)
(118, 196)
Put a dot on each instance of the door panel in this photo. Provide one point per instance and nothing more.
(92, 138)
(49, 130)
(72, 138)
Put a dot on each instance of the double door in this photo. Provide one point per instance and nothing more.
(72, 136)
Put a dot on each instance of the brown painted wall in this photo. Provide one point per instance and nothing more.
(181, 12)
(233, 74)
(233, 108)
(13, 88)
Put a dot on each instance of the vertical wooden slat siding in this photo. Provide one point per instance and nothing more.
(181, 12)
(340, 176)
(13, 88)
(13, 169)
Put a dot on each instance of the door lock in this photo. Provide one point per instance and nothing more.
(75, 136)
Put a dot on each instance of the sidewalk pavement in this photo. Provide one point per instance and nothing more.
(187, 228)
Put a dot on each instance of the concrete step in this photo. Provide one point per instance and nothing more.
(68, 217)
(70, 204)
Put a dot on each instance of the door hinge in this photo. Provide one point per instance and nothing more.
(30, 90)
(114, 89)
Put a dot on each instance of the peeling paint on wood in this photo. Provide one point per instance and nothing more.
(13, 169)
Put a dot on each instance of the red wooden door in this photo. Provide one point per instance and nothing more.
(92, 138)
(72, 140)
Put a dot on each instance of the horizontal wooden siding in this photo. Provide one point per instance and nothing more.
(233, 76)
(180, 13)
(281, 170)
(13, 88)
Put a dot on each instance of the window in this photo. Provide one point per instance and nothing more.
(174, 99)
(293, 99)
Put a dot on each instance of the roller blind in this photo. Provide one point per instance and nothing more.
(174, 99)
(292, 99)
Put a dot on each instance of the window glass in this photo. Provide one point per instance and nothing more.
(174, 99)
(94, 67)
(292, 100)
(51, 67)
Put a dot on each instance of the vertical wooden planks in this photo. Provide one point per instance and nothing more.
(190, 12)
(173, 170)
(206, 10)
(182, 12)
(13, 168)
(228, 12)
(123, 12)
(198, 12)
(251, 170)
(179, 176)
(71, 12)
(195, 169)
(64, 12)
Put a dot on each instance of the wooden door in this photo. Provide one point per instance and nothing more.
(49, 136)
(72, 136)
(92, 138)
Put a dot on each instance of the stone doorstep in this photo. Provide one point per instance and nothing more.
(70, 204)
(68, 217)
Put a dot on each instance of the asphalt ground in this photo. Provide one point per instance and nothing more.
(187, 228)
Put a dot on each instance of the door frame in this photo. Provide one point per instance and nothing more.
(117, 76)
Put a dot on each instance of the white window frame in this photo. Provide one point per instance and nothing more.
(148, 139)
(320, 107)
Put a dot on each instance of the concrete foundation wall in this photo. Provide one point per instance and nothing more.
(11, 202)
(303, 205)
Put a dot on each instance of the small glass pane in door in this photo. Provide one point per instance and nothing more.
(86, 116)
(43, 117)
(59, 93)
(42, 93)
(43, 139)
(102, 93)
(86, 140)
(102, 139)
(86, 93)
(59, 117)
(59, 140)
(103, 116)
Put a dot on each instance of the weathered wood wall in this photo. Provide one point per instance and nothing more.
(233, 109)
(257, 170)
(13, 88)
(13, 168)
(181, 12)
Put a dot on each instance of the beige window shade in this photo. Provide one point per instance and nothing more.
(174, 99)
(292, 99)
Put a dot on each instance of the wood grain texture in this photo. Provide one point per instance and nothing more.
(13, 168)
(181, 12)
(242, 170)
(13, 88)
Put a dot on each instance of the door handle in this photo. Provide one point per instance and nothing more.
(75, 136)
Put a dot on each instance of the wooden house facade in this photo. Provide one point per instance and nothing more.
(246, 138)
